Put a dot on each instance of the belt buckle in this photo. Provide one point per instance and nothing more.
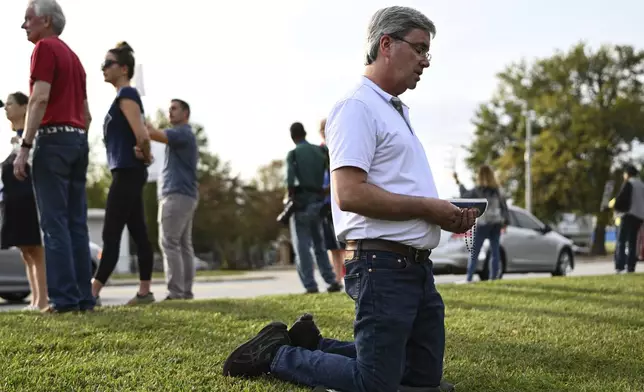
(420, 255)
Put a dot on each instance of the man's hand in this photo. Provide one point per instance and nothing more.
(449, 217)
(20, 164)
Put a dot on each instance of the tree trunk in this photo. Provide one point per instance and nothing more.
(598, 247)
(599, 244)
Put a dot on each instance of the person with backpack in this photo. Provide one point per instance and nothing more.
(488, 226)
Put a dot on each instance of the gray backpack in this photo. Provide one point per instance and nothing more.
(494, 212)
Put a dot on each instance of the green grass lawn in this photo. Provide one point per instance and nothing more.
(161, 276)
(552, 335)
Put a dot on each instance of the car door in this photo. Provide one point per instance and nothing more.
(513, 240)
(538, 247)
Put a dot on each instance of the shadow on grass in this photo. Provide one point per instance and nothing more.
(225, 321)
(538, 311)
(541, 293)
(486, 362)
(628, 284)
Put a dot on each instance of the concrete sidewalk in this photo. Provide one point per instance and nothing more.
(247, 276)
(268, 273)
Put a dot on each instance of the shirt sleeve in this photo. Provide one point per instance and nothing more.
(43, 62)
(129, 93)
(178, 137)
(351, 135)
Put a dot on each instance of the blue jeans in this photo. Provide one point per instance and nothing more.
(59, 176)
(493, 232)
(306, 231)
(399, 331)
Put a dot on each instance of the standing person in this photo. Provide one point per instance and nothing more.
(490, 224)
(333, 246)
(20, 226)
(58, 116)
(178, 199)
(306, 165)
(386, 209)
(630, 202)
(125, 137)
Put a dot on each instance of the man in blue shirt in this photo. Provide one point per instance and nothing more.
(178, 198)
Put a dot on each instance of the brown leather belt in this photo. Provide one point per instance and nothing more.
(413, 254)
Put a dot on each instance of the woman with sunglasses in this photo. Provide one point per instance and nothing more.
(128, 154)
(20, 224)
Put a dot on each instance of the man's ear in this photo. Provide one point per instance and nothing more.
(47, 20)
(385, 44)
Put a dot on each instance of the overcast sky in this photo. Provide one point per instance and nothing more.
(251, 68)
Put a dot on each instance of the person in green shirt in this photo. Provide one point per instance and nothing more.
(306, 165)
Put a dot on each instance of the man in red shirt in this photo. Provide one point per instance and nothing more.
(58, 119)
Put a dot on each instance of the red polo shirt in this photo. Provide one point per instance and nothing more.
(52, 61)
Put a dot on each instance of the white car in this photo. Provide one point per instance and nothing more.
(527, 245)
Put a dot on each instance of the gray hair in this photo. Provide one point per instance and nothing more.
(396, 21)
(50, 8)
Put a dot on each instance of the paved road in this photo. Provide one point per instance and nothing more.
(285, 282)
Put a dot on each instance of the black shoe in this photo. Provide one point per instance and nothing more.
(304, 333)
(334, 287)
(312, 291)
(254, 357)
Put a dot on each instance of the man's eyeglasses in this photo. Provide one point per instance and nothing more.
(421, 49)
(107, 63)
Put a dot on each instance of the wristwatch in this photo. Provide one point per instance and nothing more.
(26, 145)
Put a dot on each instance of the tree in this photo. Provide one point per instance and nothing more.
(589, 108)
(99, 177)
(263, 202)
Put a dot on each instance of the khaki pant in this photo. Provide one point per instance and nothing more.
(175, 239)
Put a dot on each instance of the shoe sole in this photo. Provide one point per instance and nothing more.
(240, 349)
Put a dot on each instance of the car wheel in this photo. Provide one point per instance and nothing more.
(564, 264)
(484, 274)
(15, 297)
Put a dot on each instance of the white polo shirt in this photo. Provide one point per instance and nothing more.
(364, 130)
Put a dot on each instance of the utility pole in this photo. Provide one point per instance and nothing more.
(528, 159)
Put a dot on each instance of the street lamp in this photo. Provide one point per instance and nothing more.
(528, 115)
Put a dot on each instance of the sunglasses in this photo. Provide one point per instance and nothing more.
(108, 63)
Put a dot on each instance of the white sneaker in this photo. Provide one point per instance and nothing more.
(30, 308)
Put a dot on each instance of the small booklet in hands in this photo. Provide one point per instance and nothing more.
(479, 204)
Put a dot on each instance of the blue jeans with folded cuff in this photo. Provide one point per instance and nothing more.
(59, 176)
(399, 331)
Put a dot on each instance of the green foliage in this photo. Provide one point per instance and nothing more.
(589, 109)
(234, 220)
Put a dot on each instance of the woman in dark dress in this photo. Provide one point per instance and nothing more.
(20, 224)
(127, 144)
